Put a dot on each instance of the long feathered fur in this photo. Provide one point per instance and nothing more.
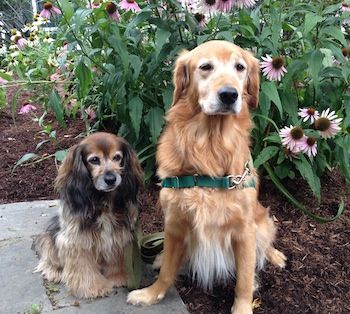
(83, 245)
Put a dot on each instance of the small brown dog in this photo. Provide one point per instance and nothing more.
(223, 231)
(83, 246)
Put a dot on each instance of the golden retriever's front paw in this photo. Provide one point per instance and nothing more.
(241, 307)
(144, 297)
(276, 257)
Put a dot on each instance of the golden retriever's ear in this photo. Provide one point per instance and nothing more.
(181, 77)
(253, 82)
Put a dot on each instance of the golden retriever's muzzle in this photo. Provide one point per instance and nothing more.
(228, 97)
(108, 181)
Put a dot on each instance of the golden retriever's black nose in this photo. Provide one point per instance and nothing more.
(110, 178)
(228, 95)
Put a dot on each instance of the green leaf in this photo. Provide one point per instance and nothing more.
(83, 73)
(273, 138)
(315, 64)
(135, 111)
(334, 32)
(311, 20)
(331, 9)
(41, 144)
(346, 121)
(55, 104)
(343, 155)
(5, 76)
(162, 36)
(67, 8)
(24, 159)
(167, 95)
(116, 42)
(154, 119)
(60, 155)
(3, 101)
(136, 64)
(266, 154)
(309, 175)
(14, 102)
(270, 91)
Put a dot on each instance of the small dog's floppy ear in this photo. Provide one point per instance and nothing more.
(132, 176)
(181, 77)
(253, 81)
(74, 184)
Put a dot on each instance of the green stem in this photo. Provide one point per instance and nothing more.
(296, 203)
(80, 43)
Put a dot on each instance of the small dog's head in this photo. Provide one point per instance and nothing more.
(99, 165)
(219, 76)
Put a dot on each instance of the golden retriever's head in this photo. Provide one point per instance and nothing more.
(219, 76)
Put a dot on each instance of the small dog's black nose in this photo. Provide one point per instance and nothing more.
(110, 178)
(228, 95)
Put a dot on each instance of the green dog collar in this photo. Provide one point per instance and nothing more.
(227, 182)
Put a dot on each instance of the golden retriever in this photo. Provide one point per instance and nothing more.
(83, 246)
(219, 232)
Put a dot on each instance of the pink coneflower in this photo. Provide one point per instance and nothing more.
(48, 10)
(345, 7)
(291, 138)
(129, 5)
(207, 6)
(20, 42)
(309, 146)
(245, 3)
(94, 4)
(307, 113)
(91, 114)
(112, 11)
(200, 20)
(289, 154)
(273, 68)
(225, 5)
(27, 108)
(328, 124)
(3, 81)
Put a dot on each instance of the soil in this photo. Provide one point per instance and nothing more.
(316, 278)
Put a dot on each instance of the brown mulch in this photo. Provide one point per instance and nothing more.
(316, 278)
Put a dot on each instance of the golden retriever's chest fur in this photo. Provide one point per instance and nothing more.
(212, 219)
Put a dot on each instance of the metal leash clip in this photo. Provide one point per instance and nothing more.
(237, 180)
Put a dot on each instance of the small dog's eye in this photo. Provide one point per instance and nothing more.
(240, 67)
(117, 157)
(206, 67)
(94, 160)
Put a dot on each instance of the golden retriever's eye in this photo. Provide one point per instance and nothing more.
(206, 67)
(117, 157)
(240, 67)
(94, 160)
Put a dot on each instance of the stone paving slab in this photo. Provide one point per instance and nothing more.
(21, 288)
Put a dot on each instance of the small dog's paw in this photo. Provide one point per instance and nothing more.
(143, 297)
(98, 288)
(50, 273)
(118, 279)
(276, 257)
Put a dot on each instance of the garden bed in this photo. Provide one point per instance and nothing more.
(317, 276)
